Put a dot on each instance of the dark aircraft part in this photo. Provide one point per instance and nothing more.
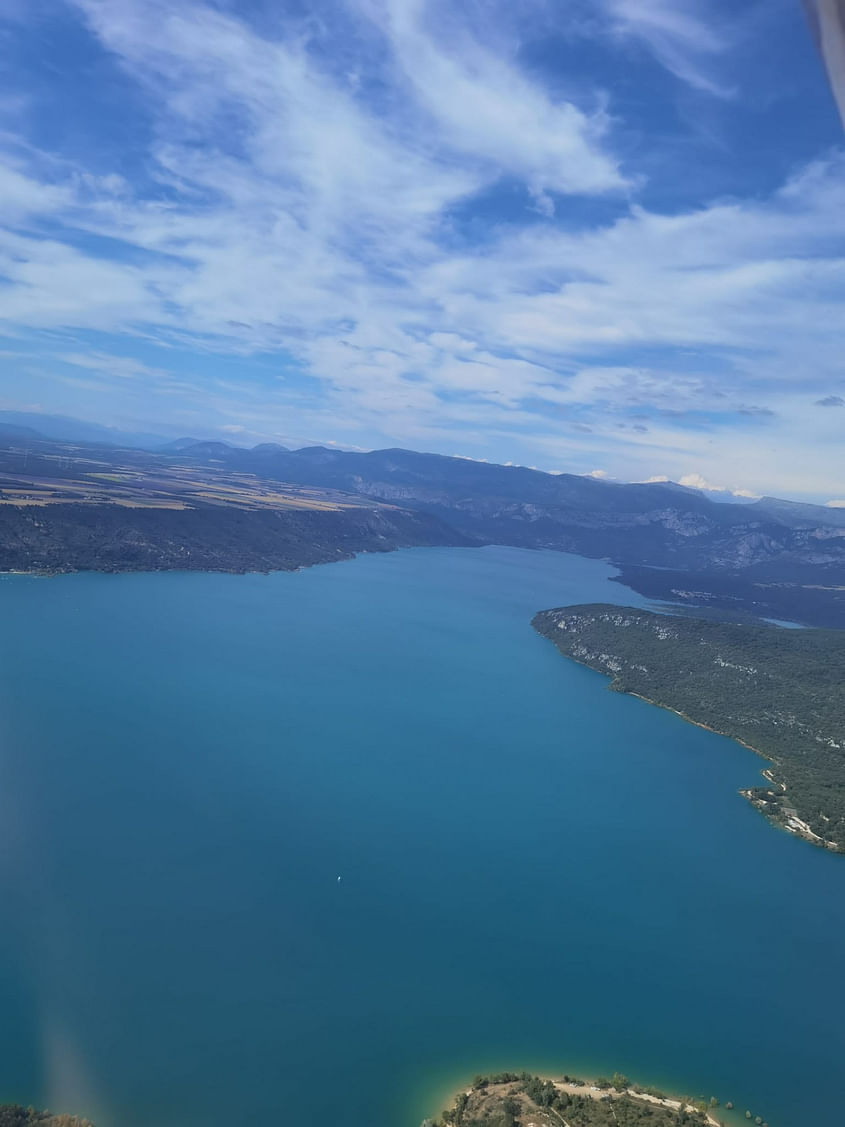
(827, 18)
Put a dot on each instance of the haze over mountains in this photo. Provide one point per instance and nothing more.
(769, 557)
(67, 429)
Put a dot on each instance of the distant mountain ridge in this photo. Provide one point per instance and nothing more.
(538, 509)
(63, 428)
(770, 558)
(774, 558)
(400, 469)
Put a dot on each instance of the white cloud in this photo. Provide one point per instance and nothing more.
(683, 37)
(697, 481)
(486, 108)
(53, 284)
(835, 504)
(291, 211)
(22, 196)
(730, 274)
(107, 364)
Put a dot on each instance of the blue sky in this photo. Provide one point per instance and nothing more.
(598, 235)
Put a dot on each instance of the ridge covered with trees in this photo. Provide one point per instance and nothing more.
(780, 692)
(517, 1099)
(13, 1115)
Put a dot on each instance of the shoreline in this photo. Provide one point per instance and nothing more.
(586, 1087)
(595, 1093)
(342, 555)
(795, 826)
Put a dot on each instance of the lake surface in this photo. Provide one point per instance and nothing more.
(535, 872)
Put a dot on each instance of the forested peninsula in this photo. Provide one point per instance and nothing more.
(13, 1115)
(780, 692)
(511, 1099)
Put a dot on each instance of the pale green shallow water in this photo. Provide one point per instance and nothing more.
(535, 871)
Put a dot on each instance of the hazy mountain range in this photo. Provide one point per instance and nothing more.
(772, 557)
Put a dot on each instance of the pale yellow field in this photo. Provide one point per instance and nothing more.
(182, 488)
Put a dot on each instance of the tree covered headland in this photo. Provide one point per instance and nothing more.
(519, 1099)
(13, 1115)
(780, 691)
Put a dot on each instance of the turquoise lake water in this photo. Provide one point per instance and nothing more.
(535, 872)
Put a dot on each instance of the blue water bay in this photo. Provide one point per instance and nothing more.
(535, 872)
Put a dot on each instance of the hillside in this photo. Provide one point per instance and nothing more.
(769, 559)
(12, 1115)
(781, 692)
(657, 524)
(68, 508)
(523, 1100)
(108, 538)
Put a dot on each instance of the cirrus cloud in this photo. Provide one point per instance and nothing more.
(385, 222)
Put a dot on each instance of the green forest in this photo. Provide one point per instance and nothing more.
(778, 690)
(519, 1099)
(13, 1115)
